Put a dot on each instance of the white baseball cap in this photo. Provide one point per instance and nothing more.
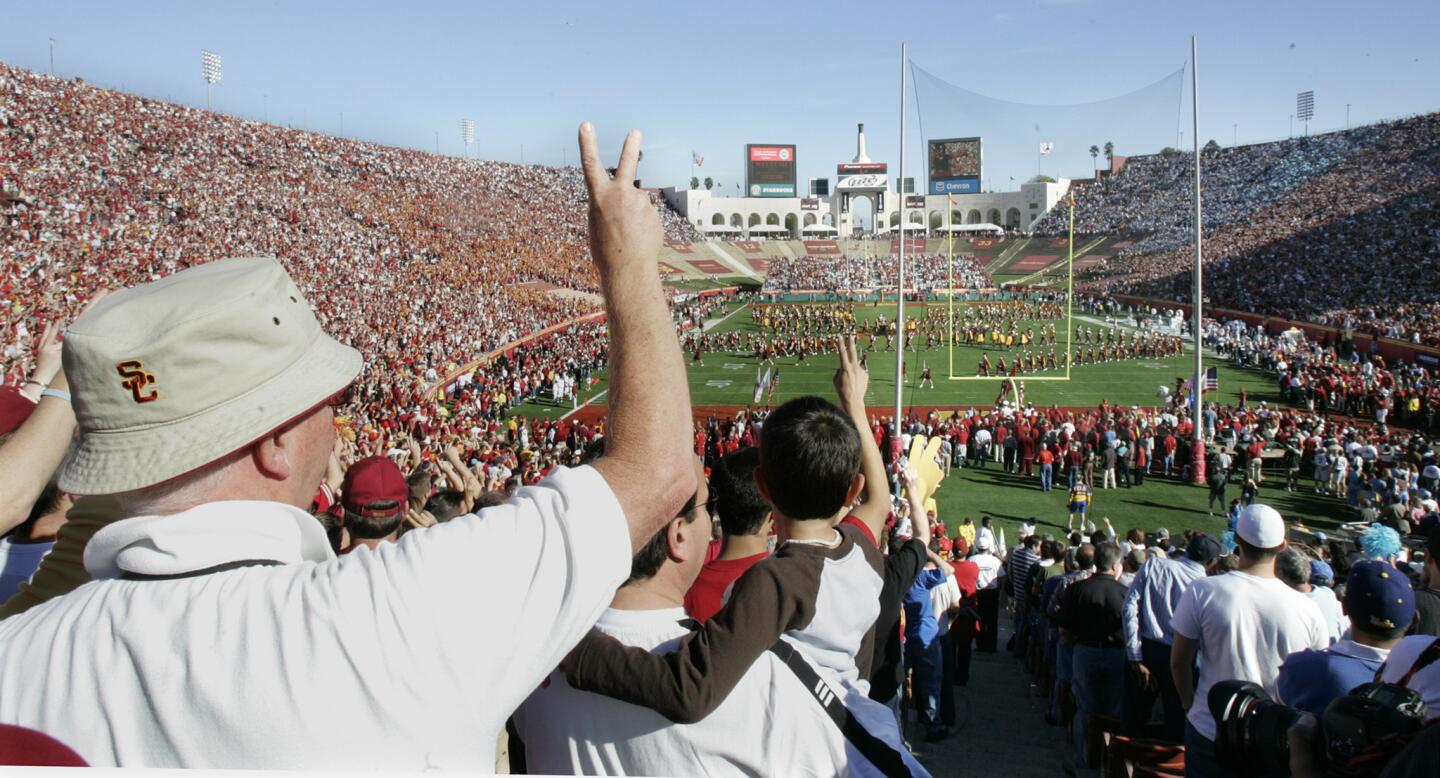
(1260, 526)
(172, 375)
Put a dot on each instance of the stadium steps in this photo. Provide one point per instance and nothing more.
(999, 702)
(1007, 255)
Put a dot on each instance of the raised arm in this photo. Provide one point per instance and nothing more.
(850, 383)
(690, 682)
(647, 460)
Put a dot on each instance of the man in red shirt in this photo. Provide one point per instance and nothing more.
(745, 520)
(1047, 468)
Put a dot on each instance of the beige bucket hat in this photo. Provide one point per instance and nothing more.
(172, 375)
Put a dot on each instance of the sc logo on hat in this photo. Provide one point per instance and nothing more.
(136, 379)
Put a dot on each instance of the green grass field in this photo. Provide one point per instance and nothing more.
(728, 380)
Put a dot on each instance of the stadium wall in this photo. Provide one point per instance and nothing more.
(1389, 348)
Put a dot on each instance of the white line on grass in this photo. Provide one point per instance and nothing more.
(597, 396)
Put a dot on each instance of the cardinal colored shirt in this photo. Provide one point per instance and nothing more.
(707, 594)
(378, 660)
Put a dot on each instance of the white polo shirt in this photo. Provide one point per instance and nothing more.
(404, 658)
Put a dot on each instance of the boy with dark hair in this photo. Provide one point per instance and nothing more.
(745, 519)
(814, 602)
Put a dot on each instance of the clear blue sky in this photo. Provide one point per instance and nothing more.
(714, 76)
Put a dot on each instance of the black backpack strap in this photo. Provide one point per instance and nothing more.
(877, 751)
(220, 568)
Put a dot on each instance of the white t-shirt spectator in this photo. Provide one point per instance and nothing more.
(1246, 626)
(404, 658)
(1335, 621)
(570, 732)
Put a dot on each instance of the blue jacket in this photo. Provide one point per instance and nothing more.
(1310, 679)
(920, 622)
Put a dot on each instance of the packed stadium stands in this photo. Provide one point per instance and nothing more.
(422, 261)
(1332, 228)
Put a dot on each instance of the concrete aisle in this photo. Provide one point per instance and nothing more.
(1000, 725)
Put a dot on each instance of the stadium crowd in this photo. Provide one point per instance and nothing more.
(299, 472)
(1338, 228)
(926, 272)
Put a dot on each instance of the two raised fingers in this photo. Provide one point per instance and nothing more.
(596, 176)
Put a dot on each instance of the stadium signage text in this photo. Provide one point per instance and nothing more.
(869, 181)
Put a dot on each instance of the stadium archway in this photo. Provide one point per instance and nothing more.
(1012, 218)
(862, 212)
(937, 219)
(792, 224)
(736, 221)
(828, 220)
(809, 219)
(754, 220)
(773, 219)
(994, 216)
(719, 219)
(974, 217)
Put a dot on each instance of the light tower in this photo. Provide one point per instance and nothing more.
(467, 133)
(210, 68)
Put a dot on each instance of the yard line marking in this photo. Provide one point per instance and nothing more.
(597, 396)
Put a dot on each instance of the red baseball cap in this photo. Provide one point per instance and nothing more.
(15, 408)
(371, 480)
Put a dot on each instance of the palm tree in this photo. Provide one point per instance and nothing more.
(1110, 153)
(694, 182)
(1094, 152)
(709, 183)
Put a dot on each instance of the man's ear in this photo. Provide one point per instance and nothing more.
(271, 455)
(679, 539)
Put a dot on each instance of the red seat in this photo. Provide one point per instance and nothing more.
(21, 747)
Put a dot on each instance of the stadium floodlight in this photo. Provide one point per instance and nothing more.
(467, 133)
(210, 69)
(1305, 108)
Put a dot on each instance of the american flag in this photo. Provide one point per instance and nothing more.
(1212, 380)
(696, 159)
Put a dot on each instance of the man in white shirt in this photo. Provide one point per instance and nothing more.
(1242, 625)
(987, 584)
(220, 631)
(569, 732)
(1296, 570)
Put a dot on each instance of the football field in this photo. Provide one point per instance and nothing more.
(726, 382)
(729, 379)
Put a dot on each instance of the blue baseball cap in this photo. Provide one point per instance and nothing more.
(1321, 572)
(1379, 597)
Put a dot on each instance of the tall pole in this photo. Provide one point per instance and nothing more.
(52, 68)
(900, 290)
(1197, 449)
(1347, 115)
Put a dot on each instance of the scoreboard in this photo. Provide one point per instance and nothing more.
(770, 170)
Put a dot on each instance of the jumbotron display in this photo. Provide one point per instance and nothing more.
(955, 166)
(770, 170)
